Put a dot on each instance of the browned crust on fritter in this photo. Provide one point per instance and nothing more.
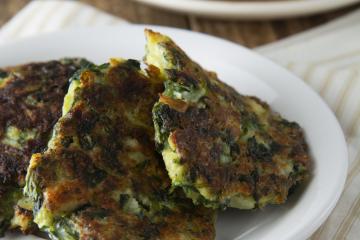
(89, 164)
(196, 135)
(26, 217)
(198, 131)
(47, 84)
(31, 98)
(120, 225)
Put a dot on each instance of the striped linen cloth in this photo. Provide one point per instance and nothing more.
(326, 57)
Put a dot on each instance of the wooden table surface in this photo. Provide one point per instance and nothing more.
(248, 33)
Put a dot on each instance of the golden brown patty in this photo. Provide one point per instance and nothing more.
(100, 177)
(222, 148)
(31, 98)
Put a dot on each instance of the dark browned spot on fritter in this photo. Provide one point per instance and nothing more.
(31, 99)
(198, 131)
(46, 83)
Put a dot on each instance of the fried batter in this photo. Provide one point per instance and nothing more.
(222, 148)
(100, 177)
(31, 97)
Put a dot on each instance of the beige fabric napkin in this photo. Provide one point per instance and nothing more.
(327, 58)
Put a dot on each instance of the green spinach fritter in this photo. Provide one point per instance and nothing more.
(100, 177)
(31, 97)
(222, 148)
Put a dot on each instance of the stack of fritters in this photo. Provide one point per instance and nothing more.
(138, 154)
(31, 97)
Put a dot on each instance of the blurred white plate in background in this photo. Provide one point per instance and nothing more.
(247, 9)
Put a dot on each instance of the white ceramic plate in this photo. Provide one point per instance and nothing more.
(250, 9)
(249, 73)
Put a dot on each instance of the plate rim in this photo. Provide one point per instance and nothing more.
(309, 227)
(260, 10)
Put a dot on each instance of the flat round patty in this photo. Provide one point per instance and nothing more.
(100, 177)
(222, 148)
